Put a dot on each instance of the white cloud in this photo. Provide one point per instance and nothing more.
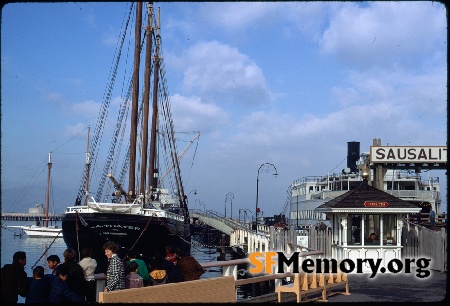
(215, 69)
(88, 109)
(192, 114)
(383, 33)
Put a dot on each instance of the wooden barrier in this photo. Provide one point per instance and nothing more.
(330, 280)
(211, 290)
(305, 283)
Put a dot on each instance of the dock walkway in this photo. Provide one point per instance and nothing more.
(388, 287)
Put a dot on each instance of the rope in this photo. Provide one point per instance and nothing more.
(145, 228)
(45, 252)
(78, 238)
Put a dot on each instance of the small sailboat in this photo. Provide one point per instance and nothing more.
(42, 231)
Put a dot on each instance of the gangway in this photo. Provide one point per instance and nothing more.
(217, 221)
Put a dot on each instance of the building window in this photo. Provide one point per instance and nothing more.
(389, 229)
(372, 229)
(354, 229)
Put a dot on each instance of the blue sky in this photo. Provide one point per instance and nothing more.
(287, 83)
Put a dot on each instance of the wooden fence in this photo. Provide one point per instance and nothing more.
(419, 241)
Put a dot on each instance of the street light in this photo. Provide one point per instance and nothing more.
(245, 214)
(192, 191)
(200, 203)
(230, 196)
(204, 207)
(267, 167)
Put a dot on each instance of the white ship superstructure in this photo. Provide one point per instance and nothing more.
(309, 192)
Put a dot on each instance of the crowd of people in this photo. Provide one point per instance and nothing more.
(72, 281)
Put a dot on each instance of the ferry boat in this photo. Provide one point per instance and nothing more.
(310, 192)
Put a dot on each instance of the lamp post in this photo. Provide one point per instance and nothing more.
(200, 203)
(192, 191)
(230, 196)
(267, 167)
(296, 189)
(204, 207)
(245, 214)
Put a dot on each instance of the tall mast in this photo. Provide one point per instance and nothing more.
(134, 101)
(146, 98)
(88, 167)
(47, 198)
(153, 171)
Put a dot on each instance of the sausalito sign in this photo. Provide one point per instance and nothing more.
(400, 154)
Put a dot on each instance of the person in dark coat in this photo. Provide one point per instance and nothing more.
(189, 267)
(76, 279)
(38, 287)
(60, 291)
(161, 263)
(14, 280)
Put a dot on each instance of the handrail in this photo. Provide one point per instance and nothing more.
(263, 278)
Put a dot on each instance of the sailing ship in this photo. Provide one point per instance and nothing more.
(148, 216)
(308, 193)
(42, 231)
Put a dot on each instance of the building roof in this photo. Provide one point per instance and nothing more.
(366, 198)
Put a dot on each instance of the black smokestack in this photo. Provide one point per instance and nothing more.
(353, 155)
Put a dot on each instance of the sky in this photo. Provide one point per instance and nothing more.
(281, 83)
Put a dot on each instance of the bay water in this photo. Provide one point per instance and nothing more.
(38, 249)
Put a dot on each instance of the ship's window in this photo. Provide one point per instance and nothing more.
(354, 229)
(311, 188)
(372, 229)
(389, 229)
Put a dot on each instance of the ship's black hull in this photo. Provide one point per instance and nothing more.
(146, 235)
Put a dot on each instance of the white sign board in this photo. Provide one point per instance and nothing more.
(421, 155)
(303, 241)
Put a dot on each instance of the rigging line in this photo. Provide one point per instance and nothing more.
(53, 202)
(45, 252)
(126, 158)
(193, 157)
(120, 126)
(338, 164)
(170, 127)
(171, 143)
(103, 113)
(78, 237)
(54, 150)
(14, 204)
(142, 232)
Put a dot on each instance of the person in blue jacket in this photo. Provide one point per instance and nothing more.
(60, 291)
(38, 287)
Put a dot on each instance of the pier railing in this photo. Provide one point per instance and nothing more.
(230, 268)
(29, 217)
